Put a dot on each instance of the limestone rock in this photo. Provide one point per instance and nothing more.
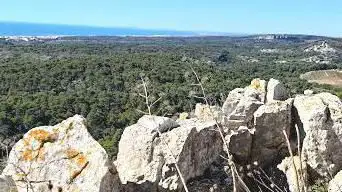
(144, 162)
(308, 92)
(232, 100)
(321, 119)
(296, 176)
(335, 185)
(269, 121)
(240, 143)
(7, 184)
(241, 104)
(63, 157)
(208, 113)
(259, 85)
(276, 91)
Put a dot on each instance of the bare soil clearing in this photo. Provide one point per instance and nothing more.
(330, 77)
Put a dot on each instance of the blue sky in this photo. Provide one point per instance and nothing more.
(320, 17)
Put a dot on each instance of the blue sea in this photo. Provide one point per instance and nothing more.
(31, 29)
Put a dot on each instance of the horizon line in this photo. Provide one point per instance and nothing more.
(193, 33)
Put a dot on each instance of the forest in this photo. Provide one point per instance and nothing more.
(43, 83)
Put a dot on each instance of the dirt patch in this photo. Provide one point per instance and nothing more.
(329, 77)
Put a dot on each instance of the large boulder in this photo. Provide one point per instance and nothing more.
(146, 158)
(240, 105)
(63, 157)
(276, 91)
(270, 120)
(320, 118)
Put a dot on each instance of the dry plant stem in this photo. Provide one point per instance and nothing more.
(269, 179)
(293, 161)
(175, 161)
(301, 175)
(146, 96)
(231, 164)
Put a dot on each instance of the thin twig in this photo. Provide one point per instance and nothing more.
(301, 174)
(231, 163)
(146, 96)
(293, 161)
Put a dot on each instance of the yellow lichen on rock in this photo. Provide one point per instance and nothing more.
(183, 116)
(33, 144)
(256, 84)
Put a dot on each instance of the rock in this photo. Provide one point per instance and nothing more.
(240, 143)
(335, 185)
(155, 124)
(63, 157)
(183, 116)
(208, 113)
(308, 92)
(321, 119)
(296, 176)
(144, 162)
(232, 100)
(7, 184)
(241, 104)
(269, 121)
(276, 91)
(260, 86)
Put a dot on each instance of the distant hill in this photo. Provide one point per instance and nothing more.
(33, 29)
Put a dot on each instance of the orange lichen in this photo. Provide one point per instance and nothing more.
(34, 142)
(40, 135)
(71, 153)
(81, 160)
(27, 155)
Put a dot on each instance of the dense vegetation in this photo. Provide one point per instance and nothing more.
(46, 82)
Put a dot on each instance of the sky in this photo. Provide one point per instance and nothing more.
(316, 17)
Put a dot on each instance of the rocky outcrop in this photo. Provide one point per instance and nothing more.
(254, 130)
(276, 91)
(63, 157)
(240, 105)
(323, 48)
(321, 119)
(145, 161)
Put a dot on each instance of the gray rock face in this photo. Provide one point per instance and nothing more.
(63, 157)
(276, 91)
(269, 122)
(254, 129)
(321, 118)
(241, 104)
(232, 100)
(240, 144)
(7, 184)
(144, 162)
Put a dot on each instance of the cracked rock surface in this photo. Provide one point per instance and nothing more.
(145, 164)
(63, 157)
